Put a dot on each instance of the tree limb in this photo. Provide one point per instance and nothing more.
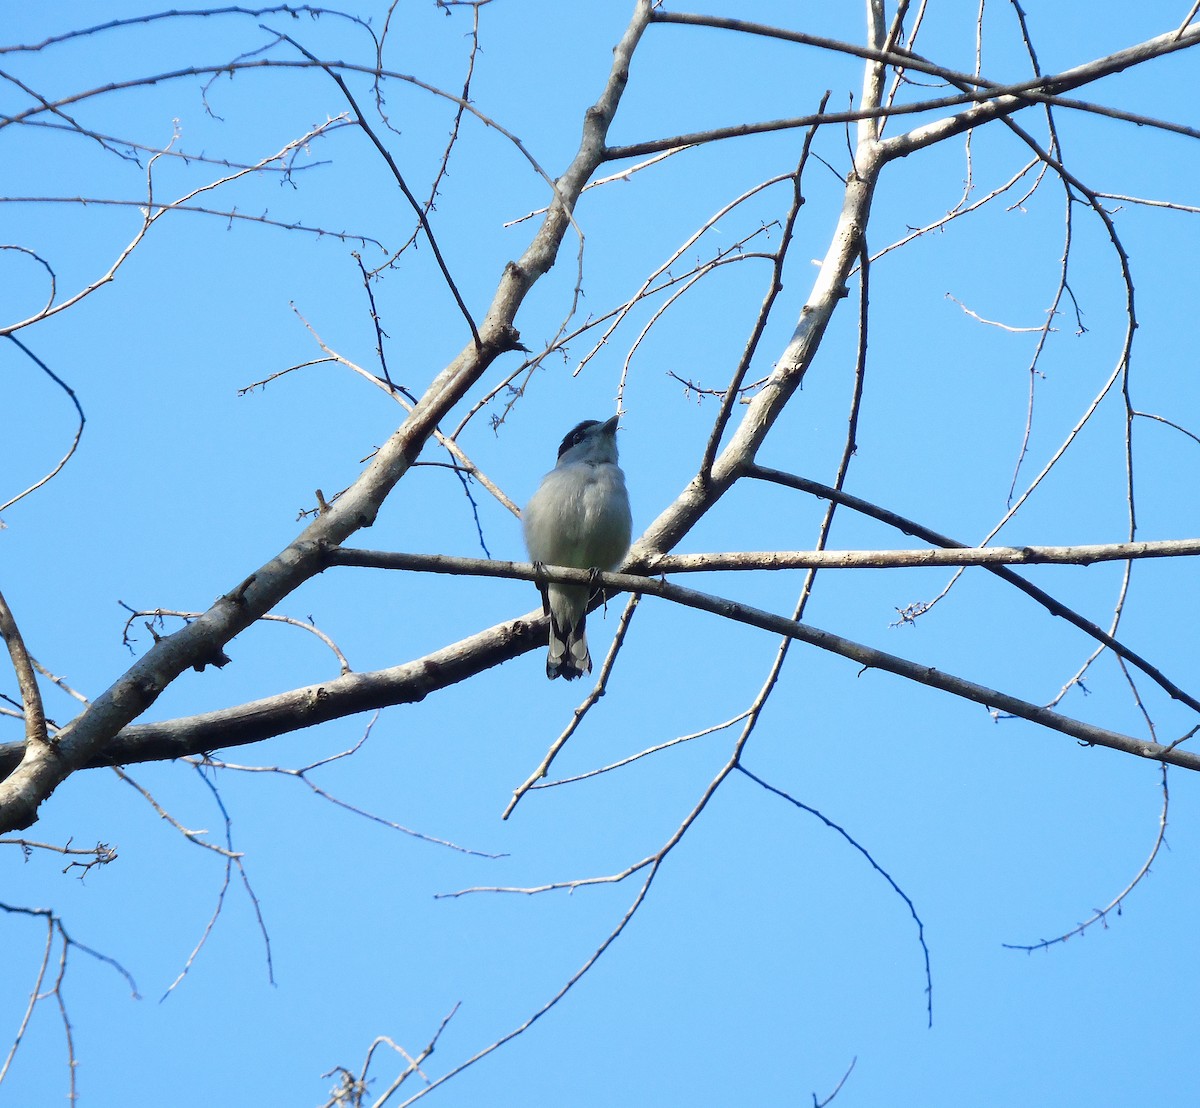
(413, 681)
(31, 696)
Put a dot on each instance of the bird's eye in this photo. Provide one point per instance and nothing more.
(576, 435)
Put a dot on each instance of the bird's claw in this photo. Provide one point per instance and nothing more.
(539, 579)
(594, 585)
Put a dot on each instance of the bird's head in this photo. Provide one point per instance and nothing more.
(590, 441)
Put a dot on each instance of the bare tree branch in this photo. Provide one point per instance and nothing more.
(1004, 100)
(1053, 606)
(409, 683)
(36, 735)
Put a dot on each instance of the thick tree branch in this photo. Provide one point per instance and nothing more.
(991, 99)
(975, 87)
(1005, 100)
(747, 560)
(413, 681)
(31, 696)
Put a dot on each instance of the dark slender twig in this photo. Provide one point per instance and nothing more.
(302, 774)
(380, 336)
(238, 859)
(598, 690)
(1100, 915)
(459, 111)
(78, 430)
(874, 865)
(293, 10)
(185, 156)
(837, 1088)
(361, 120)
(1053, 606)
(196, 209)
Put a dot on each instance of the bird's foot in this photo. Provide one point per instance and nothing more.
(539, 579)
(594, 586)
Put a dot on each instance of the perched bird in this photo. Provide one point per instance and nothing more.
(579, 517)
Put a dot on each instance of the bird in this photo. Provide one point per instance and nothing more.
(579, 517)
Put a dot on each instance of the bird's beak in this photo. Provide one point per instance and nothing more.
(609, 426)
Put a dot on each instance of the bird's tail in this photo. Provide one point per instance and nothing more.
(568, 655)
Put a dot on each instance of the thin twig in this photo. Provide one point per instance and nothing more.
(301, 774)
(912, 910)
(415, 204)
(78, 430)
(1100, 915)
(577, 717)
(710, 730)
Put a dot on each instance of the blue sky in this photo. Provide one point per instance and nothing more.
(768, 953)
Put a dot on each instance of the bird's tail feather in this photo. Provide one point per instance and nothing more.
(567, 655)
